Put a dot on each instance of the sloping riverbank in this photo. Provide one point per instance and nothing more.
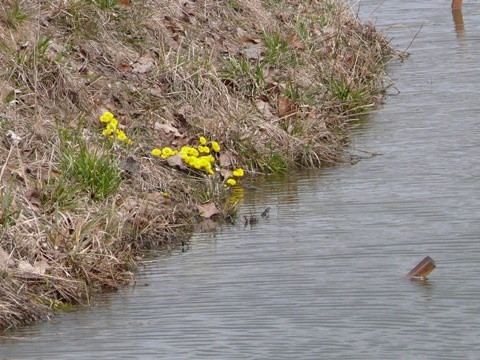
(97, 98)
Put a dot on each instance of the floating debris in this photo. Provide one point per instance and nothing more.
(266, 213)
(423, 268)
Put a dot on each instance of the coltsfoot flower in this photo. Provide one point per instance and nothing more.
(238, 172)
(215, 146)
(106, 117)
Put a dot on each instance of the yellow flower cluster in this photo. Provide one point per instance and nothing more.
(199, 157)
(111, 128)
(165, 153)
(236, 173)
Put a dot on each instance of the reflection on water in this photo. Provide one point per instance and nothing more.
(458, 21)
(323, 277)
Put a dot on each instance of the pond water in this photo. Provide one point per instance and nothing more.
(323, 276)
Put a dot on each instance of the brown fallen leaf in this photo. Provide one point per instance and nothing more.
(264, 108)
(253, 52)
(173, 25)
(144, 64)
(5, 259)
(167, 128)
(295, 42)
(33, 196)
(225, 159)
(285, 107)
(5, 91)
(176, 160)
(226, 173)
(207, 210)
(188, 8)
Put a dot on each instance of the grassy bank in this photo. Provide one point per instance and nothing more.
(126, 123)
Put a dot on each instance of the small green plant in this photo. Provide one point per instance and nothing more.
(7, 215)
(105, 4)
(356, 100)
(59, 192)
(42, 46)
(97, 171)
(14, 15)
(235, 5)
(340, 89)
(310, 96)
(247, 76)
(277, 50)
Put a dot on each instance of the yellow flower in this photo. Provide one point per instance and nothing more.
(215, 146)
(167, 152)
(231, 182)
(113, 123)
(106, 117)
(107, 131)
(156, 152)
(202, 140)
(188, 151)
(238, 172)
(121, 135)
(204, 149)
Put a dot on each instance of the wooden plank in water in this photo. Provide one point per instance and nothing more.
(456, 4)
(423, 268)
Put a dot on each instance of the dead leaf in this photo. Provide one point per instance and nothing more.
(33, 196)
(264, 108)
(131, 167)
(296, 42)
(144, 64)
(5, 259)
(5, 91)
(167, 128)
(173, 25)
(283, 17)
(173, 43)
(155, 197)
(18, 173)
(25, 266)
(40, 266)
(188, 8)
(124, 67)
(285, 107)
(207, 210)
(128, 204)
(176, 160)
(225, 159)
(226, 174)
(252, 52)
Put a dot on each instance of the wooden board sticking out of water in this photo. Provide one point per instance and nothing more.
(423, 268)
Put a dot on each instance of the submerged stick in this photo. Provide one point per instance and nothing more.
(423, 268)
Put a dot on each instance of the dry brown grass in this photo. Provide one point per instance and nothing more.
(275, 82)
